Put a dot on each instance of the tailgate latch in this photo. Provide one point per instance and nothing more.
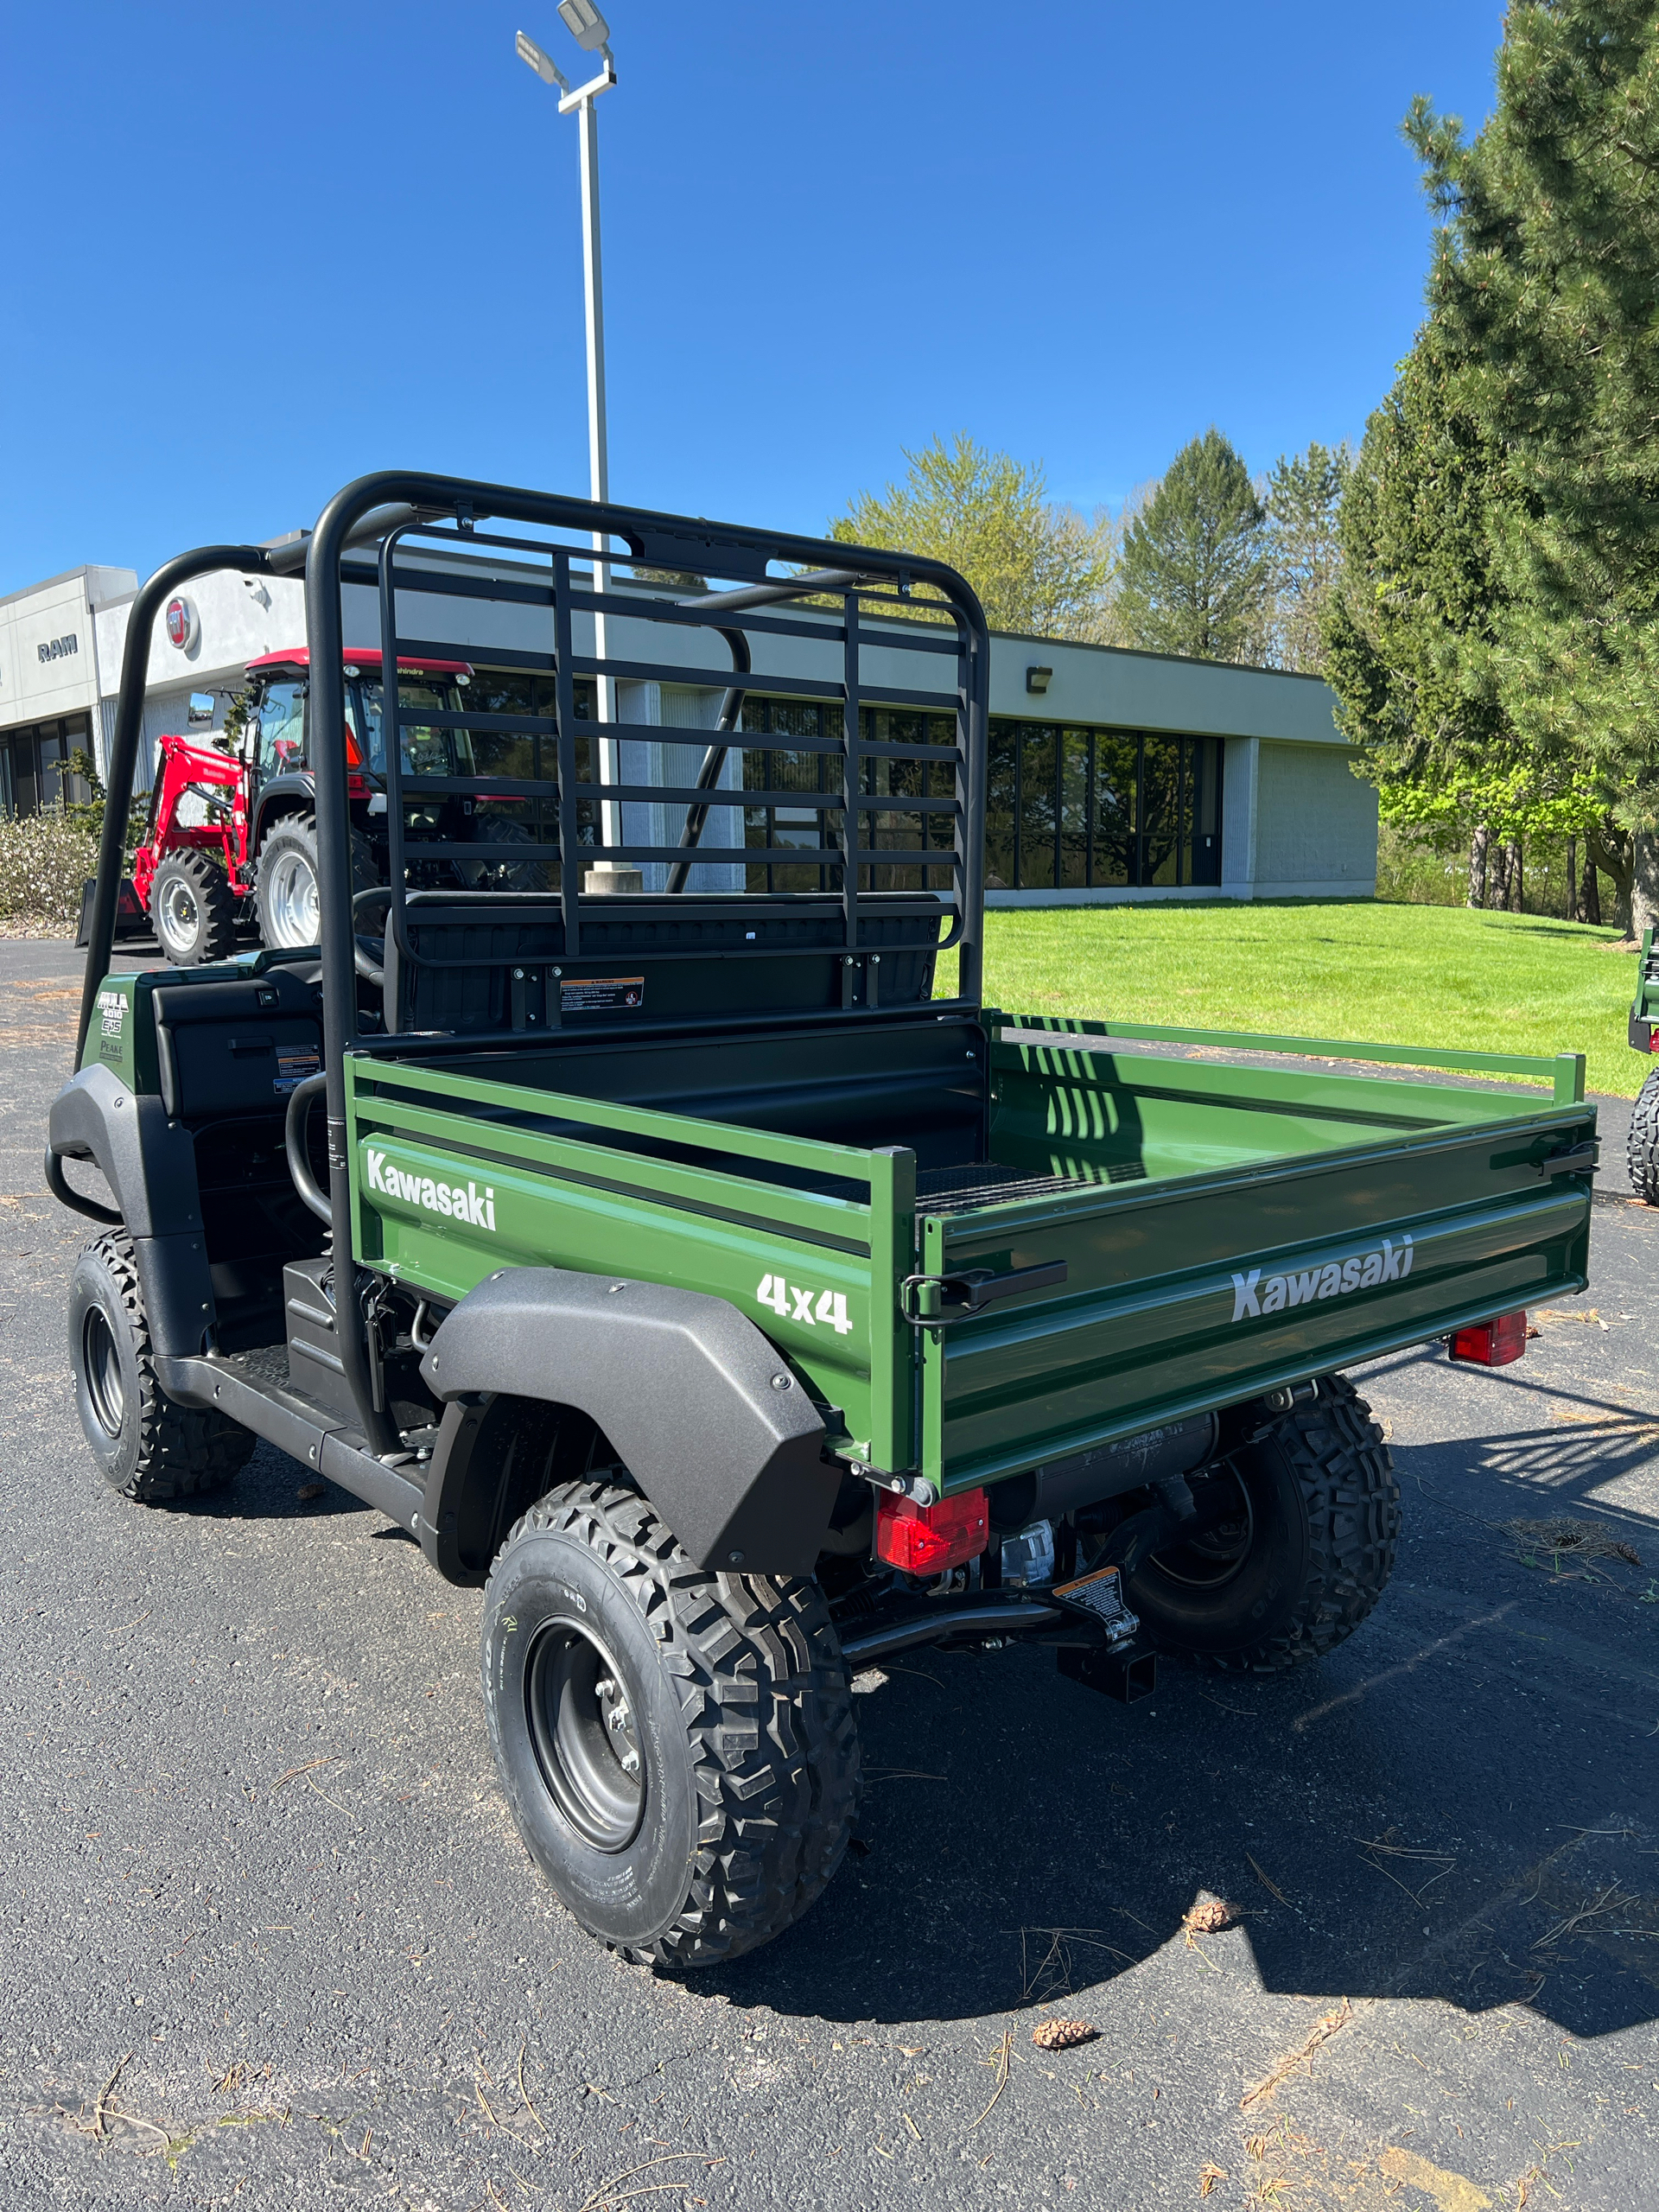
(930, 1301)
(1579, 1159)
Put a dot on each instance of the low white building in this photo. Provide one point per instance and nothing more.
(1114, 775)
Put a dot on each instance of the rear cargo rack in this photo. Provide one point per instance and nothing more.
(789, 769)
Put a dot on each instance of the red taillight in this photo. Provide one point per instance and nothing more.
(926, 1540)
(1492, 1344)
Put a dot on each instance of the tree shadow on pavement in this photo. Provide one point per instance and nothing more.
(1459, 1803)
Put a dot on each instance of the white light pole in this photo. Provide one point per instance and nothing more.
(591, 33)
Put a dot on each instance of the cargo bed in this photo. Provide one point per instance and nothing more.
(1202, 1230)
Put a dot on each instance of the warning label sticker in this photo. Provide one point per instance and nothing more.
(595, 994)
(292, 1068)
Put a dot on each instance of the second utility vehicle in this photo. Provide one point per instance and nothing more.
(681, 1268)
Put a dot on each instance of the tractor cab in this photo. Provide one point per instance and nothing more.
(276, 734)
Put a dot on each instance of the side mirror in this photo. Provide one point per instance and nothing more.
(201, 706)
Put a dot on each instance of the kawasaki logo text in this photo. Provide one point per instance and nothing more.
(1387, 1263)
(459, 1201)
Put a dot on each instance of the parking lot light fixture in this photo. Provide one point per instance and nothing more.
(592, 33)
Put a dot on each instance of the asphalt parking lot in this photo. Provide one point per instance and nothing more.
(271, 1940)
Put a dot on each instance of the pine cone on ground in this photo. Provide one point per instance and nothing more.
(1060, 2034)
(1209, 1917)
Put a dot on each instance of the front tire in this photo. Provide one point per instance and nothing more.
(1304, 1555)
(677, 1746)
(1643, 1148)
(149, 1447)
(193, 909)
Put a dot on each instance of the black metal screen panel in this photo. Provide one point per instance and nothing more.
(760, 719)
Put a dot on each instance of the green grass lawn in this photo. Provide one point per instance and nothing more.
(1435, 975)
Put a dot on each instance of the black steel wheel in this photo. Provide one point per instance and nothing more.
(1296, 1542)
(677, 1746)
(192, 908)
(149, 1447)
(1643, 1148)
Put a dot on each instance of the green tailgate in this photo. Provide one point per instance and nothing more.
(1242, 1228)
(1644, 1012)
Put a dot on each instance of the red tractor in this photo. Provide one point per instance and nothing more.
(232, 836)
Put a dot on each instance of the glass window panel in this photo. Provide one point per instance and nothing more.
(282, 729)
(1116, 768)
(52, 756)
(1039, 758)
(1205, 756)
(1161, 810)
(1001, 786)
(1074, 808)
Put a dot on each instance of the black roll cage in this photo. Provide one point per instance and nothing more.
(378, 513)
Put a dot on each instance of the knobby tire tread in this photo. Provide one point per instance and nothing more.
(184, 1451)
(1642, 1148)
(217, 940)
(767, 1707)
(1338, 1454)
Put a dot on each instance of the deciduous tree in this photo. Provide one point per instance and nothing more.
(1038, 566)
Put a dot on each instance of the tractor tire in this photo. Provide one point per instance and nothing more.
(1308, 1554)
(285, 895)
(492, 828)
(1643, 1148)
(677, 1746)
(148, 1447)
(192, 908)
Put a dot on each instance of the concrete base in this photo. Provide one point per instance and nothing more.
(607, 882)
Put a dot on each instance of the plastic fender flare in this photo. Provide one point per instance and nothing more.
(294, 792)
(722, 1440)
(149, 1164)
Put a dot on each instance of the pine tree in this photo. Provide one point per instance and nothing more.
(1544, 282)
(1303, 500)
(1407, 631)
(1195, 575)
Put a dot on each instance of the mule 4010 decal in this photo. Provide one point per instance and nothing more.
(1385, 1262)
(792, 1301)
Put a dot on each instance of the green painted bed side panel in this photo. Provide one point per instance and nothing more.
(440, 1203)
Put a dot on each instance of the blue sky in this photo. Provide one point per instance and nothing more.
(258, 252)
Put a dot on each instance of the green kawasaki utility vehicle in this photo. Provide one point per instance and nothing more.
(1643, 1141)
(673, 1262)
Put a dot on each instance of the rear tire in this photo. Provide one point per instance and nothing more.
(1643, 1149)
(677, 1746)
(493, 828)
(148, 1447)
(192, 908)
(286, 901)
(1293, 1573)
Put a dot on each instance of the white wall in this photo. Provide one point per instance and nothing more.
(1315, 826)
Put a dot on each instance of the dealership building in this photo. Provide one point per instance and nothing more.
(1114, 775)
